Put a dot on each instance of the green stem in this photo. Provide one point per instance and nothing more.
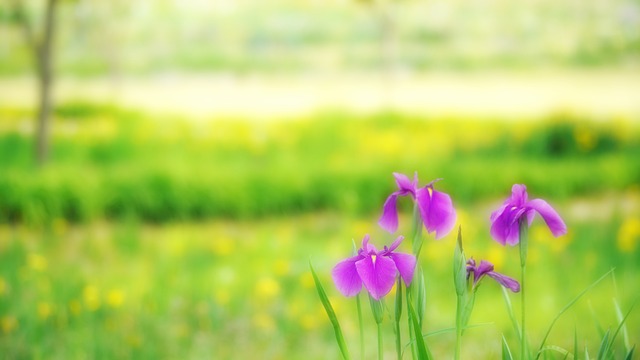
(398, 315)
(361, 327)
(380, 354)
(523, 267)
(459, 309)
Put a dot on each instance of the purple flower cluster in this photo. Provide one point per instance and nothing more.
(376, 270)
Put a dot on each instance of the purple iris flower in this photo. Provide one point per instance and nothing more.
(375, 269)
(436, 209)
(486, 268)
(505, 227)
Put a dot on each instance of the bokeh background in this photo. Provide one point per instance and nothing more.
(200, 153)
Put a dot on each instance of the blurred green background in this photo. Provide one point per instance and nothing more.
(202, 152)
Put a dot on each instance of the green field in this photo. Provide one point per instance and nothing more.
(167, 238)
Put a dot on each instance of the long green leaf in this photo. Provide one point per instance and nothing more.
(557, 349)
(622, 319)
(564, 309)
(506, 352)
(512, 316)
(423, 352)
(331, 314)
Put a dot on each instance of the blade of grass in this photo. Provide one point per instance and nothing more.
(621, 325)
(575, 343)
(630, 354)
(621, 319)
(564, 309)
(331, 314)
(557, 349)
(506, 352)
(604, 346)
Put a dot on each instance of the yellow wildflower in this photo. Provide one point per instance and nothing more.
(629, 235)
(8, 323)
(115, 298)
(37, 262)
(44, 310)
(267, 288)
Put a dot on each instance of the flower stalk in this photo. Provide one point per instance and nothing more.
(523, 244)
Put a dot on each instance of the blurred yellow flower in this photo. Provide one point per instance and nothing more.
(8, 323)
(3, 286)
(223, 246)
(91, 297)
(495, 256)
(115, 298)
(37, 262)
(282, 267)
(306, 280)
(629, 235)
(308, 321)
(44, 310)
(267, 288)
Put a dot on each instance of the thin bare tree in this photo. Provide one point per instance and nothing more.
(42, 49)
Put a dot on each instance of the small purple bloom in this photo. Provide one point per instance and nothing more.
(436, 208)
(374, 269)
(505, 227)
(486, 268)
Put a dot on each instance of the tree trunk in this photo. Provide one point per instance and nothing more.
(44, 63)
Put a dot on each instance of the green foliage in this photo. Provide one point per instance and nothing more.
(119, 164)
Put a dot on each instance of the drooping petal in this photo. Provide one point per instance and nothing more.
(395, 244)
(389, 218)
(404, 184)
(346, 277)
(550, 216)
(518, 195)
(406, 264)
(505, 281)
(436, 210)
(505, 228)
(378, 274)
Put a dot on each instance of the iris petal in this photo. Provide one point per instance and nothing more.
(406, 264)
(389, 218)
(550, 216)
(378, 274)
(441, 216)
(518, 195)
(404, 184)
(505, 228)
(346, 278)
(505, 281)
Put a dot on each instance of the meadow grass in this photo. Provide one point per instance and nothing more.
(234, 289)
(118, 164)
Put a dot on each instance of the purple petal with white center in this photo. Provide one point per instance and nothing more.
(378, 274)
(406, 264)
(505, 281)
(346, 277)
(389, 218)
(550, 216)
